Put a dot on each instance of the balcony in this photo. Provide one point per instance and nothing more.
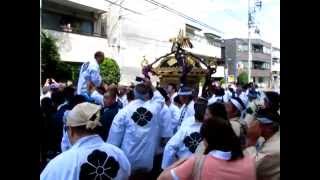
(97, 6)
(78, 48)
(260, 73)
(256, 56)
(201, 46)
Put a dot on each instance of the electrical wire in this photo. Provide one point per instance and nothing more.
(182, 15)
(127, 9)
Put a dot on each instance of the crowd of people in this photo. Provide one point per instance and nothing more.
(99, 131)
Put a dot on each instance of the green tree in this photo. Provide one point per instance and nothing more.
(51, 64)
(110, 71)
(222, 81)
(243, 78)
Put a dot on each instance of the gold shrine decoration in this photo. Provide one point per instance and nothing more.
(144, 62)
(182, 39)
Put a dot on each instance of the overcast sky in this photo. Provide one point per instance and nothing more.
(229, 16)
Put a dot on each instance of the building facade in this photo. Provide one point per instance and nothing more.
(236, 56)
(83, 27)
(80, 27)
(275, 68)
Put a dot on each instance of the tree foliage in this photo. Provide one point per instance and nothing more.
(51, 64)
(243, 78)
(110, 71)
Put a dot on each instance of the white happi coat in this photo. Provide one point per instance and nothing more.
(175, 115)
(135, 130)
(89, 158)
(185, 112)
(183, 144)
(165, 118)
(164, 127)
(89, 71)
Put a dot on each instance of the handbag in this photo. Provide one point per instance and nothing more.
(197, 167)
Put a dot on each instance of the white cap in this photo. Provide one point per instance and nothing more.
(84, 114)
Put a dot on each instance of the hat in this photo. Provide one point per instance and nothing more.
(84, 114)
(252, 94)
(273, 98)
(238, 103)
(267, 117)
(185, 91)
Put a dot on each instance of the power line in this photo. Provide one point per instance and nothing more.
(127, 9)
(182, 15)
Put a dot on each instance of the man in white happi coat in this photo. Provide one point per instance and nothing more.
(90, 74)
(135, 127)
(187, 109)
(89, 157)
(184, 143)
(235, 107)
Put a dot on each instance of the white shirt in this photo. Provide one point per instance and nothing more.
(135, 130)
(89, 72)
(183, 144)
(123, 100)
(83, 159)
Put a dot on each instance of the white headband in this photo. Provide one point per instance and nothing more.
(185, 93)
(264, 120)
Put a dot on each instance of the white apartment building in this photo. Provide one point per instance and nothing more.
(83, 27)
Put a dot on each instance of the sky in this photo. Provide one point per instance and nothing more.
(230, 16)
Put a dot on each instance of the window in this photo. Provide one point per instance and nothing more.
(245, 64)
(260, 79)
(67, 23)
(257, 48)
(242, 47)
(260, 65)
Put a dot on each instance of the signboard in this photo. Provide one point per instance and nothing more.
(231, 78)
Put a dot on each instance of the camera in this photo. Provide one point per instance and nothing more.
(139, 79)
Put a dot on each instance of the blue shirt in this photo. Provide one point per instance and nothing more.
(107, 116)
(89, 72)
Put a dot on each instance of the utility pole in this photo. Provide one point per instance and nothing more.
(252, 24)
